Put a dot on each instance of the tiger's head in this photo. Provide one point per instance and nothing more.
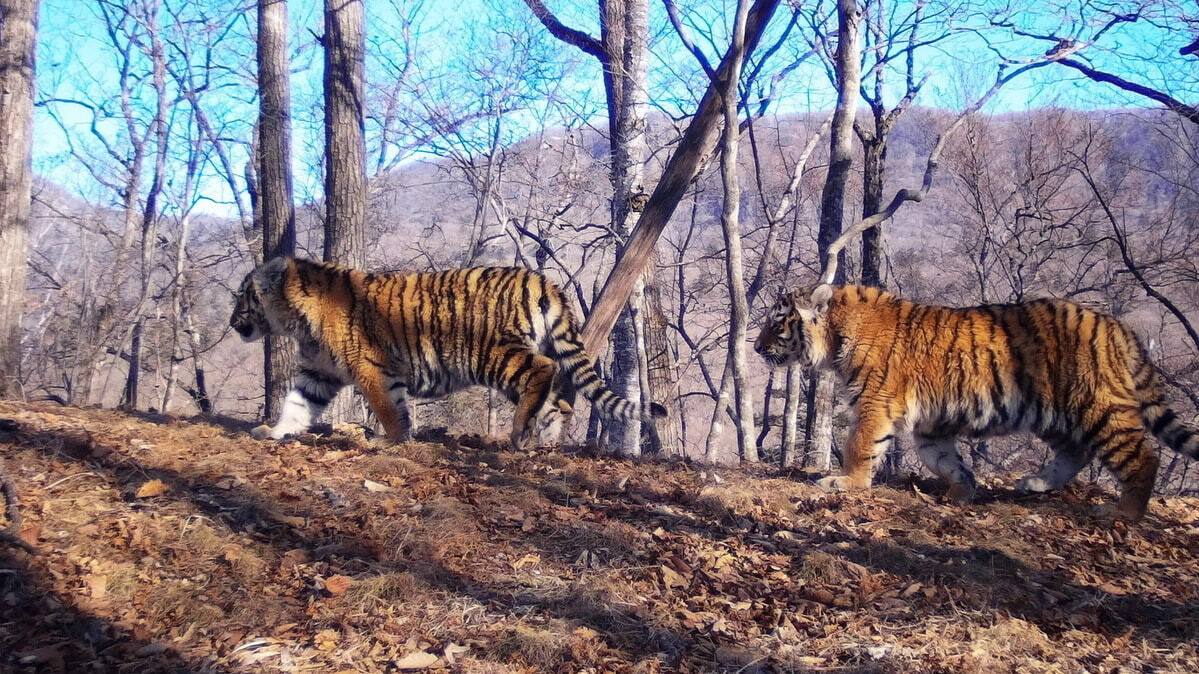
(794, 328)
(249, 316)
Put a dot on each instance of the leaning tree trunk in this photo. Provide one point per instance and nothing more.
(18, 48)
(694, 148)
(832, 206)
(274, 189)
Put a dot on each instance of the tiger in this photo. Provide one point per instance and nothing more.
(423, 335)
(1078, 379)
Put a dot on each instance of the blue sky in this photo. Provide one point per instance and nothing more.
(451, 55)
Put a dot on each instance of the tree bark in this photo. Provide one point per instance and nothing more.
(624, 28)
(874, 158)
(274, 189)
(788, 456)
(18, 49)
(730, 224)
(345, 145)
(345, 151)
(832, 206)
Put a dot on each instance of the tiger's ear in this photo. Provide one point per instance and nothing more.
(270, 275)
(821, 296)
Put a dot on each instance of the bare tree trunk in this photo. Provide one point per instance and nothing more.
(345, 145)
(623, 52)
(273, 159)
(624, 28)
(345, 150)
(788, 456)
(832, 206)
(150, 211)
(730, 221)
(18, 48)
(874, 157)
(662, 373)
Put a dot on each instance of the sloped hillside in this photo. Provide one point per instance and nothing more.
(183, 545)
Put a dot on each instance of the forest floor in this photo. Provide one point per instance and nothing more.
(167, 544)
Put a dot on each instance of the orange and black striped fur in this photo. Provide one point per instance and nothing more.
(422, 335)
(1076, 378)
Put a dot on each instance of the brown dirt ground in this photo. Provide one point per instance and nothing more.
(169, 544)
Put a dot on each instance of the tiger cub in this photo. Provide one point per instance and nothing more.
(1076, 378)
(422, 335)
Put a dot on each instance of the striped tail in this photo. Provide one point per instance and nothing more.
(1172, 431)
(1162, 421)
(582, 374)
(578, 368)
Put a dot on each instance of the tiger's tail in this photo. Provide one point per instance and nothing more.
(579, 369)
(1159, 418)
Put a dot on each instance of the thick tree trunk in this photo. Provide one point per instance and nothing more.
(18, 47)
(275, 204)
(345, 151)
(832, 205)
(345, 145)
(874, 160)
(624, 26)
(663, 375)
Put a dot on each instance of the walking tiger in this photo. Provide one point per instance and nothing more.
(424, 335)
(1076, 378)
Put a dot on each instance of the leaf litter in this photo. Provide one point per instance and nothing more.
(168, 544)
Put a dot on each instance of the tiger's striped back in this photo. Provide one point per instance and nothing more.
(1075, 377)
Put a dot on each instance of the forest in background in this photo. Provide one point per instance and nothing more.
(498, 155)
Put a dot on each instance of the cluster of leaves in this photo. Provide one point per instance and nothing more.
(166, 544)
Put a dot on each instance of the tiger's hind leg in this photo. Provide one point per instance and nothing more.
(528, 379)
(1068, 460)
(1120, 443)
(940, 455)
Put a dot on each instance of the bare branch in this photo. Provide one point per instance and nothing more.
(934, 159)
(565, 33)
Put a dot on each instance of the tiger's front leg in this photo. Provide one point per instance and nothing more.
(307, 399)
(869, 440)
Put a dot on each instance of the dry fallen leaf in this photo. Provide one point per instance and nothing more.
(97, 585)
(337, 585)
(152, 488)
(326, 640)
(453, 650)
(417, 660)
(375, 487)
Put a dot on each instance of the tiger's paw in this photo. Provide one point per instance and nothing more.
(834, 483)
(961, 493)
(1033, 484)
(262, 432)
